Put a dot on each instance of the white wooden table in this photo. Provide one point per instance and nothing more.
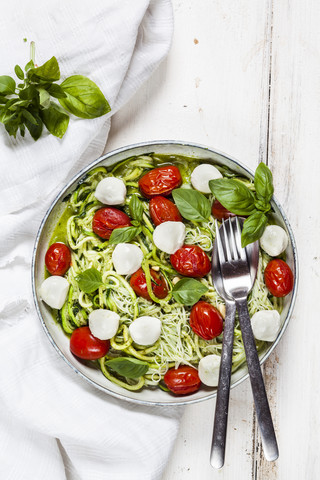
(244, 78)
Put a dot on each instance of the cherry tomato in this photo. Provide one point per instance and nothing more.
(139, 284)
(182, 380)
(84, 345)
(191, 261)
(107, 219)
(160, 181)
(278, 278)
(163, 210)
(58, 259)
(219, 212)
(206, 321)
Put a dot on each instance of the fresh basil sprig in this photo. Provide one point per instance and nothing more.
(136, 208)
(192, 205)
(126, 234)
(123, 235)
(128, 367)
(29, 104)
(188, 291)
(238, 199)
(89, 280)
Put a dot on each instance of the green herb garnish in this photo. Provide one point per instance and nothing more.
(29, 104)
(238, 199)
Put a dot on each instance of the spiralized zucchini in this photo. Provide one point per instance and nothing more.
(178, 344)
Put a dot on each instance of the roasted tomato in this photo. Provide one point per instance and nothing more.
(191, 261)
(107, 219)
(219, 212)
(84, 345)
(160, 181)
(182, 380)
(58, 259)
(139, 284)
(278, 278)
(163, 210)
(206, 321)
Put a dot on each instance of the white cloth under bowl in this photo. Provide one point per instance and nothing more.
(47, 413)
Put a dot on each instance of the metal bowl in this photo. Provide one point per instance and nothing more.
(54, 332)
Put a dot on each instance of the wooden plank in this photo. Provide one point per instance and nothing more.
(294, 144)
(212, 89)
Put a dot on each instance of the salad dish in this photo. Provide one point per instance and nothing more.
(122, 270)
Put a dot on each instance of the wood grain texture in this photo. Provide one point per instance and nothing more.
(244, 78)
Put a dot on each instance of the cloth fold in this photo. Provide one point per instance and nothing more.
(54, 425)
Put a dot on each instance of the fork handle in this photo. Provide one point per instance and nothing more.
(222, 404)
(269, 441)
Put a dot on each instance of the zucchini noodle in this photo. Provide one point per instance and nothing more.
(178, 344)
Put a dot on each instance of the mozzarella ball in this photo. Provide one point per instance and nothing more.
(145, 330)
(274, 240)
(201, 176)
(169, 236)
(127, 258)
(266, 325)
(103, 324)
(54, 291)
(208, 370)
(111, 191)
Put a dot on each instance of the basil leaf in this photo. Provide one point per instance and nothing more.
(128, 367)
(18, 71)
(12, 126)
(123, 235)
(56, 91)
(35, 130)
(7, 85)
(263, 184)
(89, 280)
(233, 195)
(48, 71)
(29, 65)
(188, 291)
(253, 228)
(55, 120)
(136, 208)
(29, 93)
(28, 116)
(44, 97)
(3, 100)
(84, 98)
(192, 205)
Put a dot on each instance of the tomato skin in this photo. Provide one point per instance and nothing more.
(278, 278)
(160, 181)
(219, 212)
(107, 219)
(163, 210)
(139, 284)
(191, 261)
(182, 380)
(206, 321)
(84, 345)
(58, 259)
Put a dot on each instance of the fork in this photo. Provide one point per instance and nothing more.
(237, 285)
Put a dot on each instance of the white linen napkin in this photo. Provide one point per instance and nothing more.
(53, 425)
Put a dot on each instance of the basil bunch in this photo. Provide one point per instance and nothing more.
(126, 234)
(29, 104)
(238, 199)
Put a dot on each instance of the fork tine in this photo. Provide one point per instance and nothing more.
(242, 251)
(226, 241)
(233, 241)
(221, 256)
